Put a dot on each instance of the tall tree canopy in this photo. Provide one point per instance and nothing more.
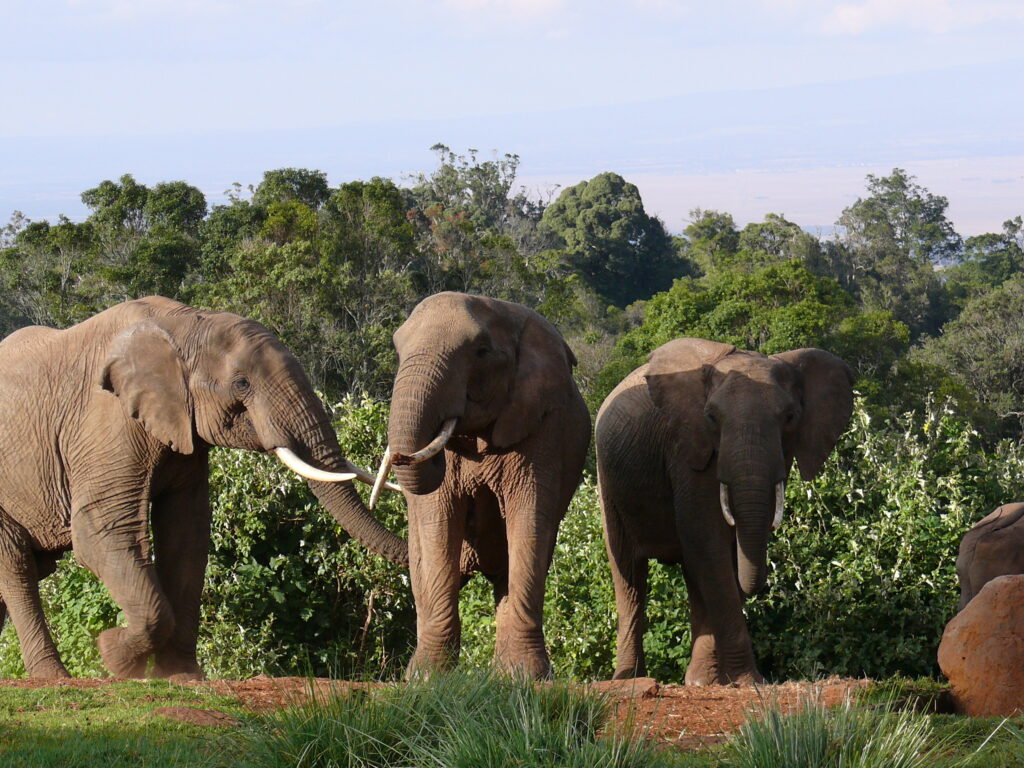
(616, 247)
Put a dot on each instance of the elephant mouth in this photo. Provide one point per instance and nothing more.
(780, 504)
(426, 453)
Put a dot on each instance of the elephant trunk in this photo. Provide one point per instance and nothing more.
(316, 438)
(752, 505)
(423, 400)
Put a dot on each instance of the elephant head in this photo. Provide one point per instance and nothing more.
(753, 414)
(193, 378)
(472, 366)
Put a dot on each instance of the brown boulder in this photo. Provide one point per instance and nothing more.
(982, 650)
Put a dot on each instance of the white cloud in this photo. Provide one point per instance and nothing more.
(931, 15)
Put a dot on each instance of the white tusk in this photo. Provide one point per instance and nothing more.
(723, 495)
(382, 477)
(294, 463)
(435, 447)
(365, 477)
(780, 504)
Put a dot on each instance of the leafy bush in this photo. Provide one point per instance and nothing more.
(862, 572)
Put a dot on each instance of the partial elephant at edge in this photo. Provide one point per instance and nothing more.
(693, 451)
(993, 547)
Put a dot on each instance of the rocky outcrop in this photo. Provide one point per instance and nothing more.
(982, 650)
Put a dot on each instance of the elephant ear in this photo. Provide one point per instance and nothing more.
(677, 380)
(543, 379)
(146, 372)
(827, 404)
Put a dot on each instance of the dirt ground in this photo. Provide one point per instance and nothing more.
(687, 717)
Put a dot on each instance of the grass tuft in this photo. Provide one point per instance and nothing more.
(463, 719)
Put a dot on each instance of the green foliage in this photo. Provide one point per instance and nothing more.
(618, 249)
(983, 349)
(894, 237)
(770, 310)
(862, 575)
(458, 719)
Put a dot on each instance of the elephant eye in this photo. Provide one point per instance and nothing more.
(711, 417)
(482, 352)
(241, 385)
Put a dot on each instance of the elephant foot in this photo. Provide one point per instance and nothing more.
(630, 672)
(117, 658)
(178, 673)
(700, 672)
(423, 664)
(47, 670)
(532, 667)
(750, 677)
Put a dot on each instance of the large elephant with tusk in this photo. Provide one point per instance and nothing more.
(488, 436)
(693, 450)
(105, 431)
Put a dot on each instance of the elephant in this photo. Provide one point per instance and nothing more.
(488, 436)
(993, 547)
(693, 450)
(105, 430)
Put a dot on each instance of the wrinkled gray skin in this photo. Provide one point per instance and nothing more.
(698, 415)
(110, 422)
(492, 500)
(993, 547)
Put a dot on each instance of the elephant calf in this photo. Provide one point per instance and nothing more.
(993, 547)
(693, 450)
(105, 429)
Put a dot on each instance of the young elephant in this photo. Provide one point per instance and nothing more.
(693, 450)
(488, 435)
(104, 420)
(993, 547)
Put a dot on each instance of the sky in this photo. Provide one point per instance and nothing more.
(745, 106)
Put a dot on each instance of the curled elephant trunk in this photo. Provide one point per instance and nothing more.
(430, 451)
(424, 407)
(397, 459)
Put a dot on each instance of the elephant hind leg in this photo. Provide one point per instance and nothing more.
(119, 556)
(629, 575)
(19, 593)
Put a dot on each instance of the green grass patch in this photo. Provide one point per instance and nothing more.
(109, 726)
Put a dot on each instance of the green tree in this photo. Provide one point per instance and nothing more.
(611, 242)
(894, 238)
(983, 349)
(292, 184)
(988, 261)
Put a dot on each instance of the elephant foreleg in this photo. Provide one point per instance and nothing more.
(532, 525)
(703, 666)
(436, 533)
(181, 539)
(19, 591)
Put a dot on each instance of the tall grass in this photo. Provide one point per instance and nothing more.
(848, 736)
(462, 719)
